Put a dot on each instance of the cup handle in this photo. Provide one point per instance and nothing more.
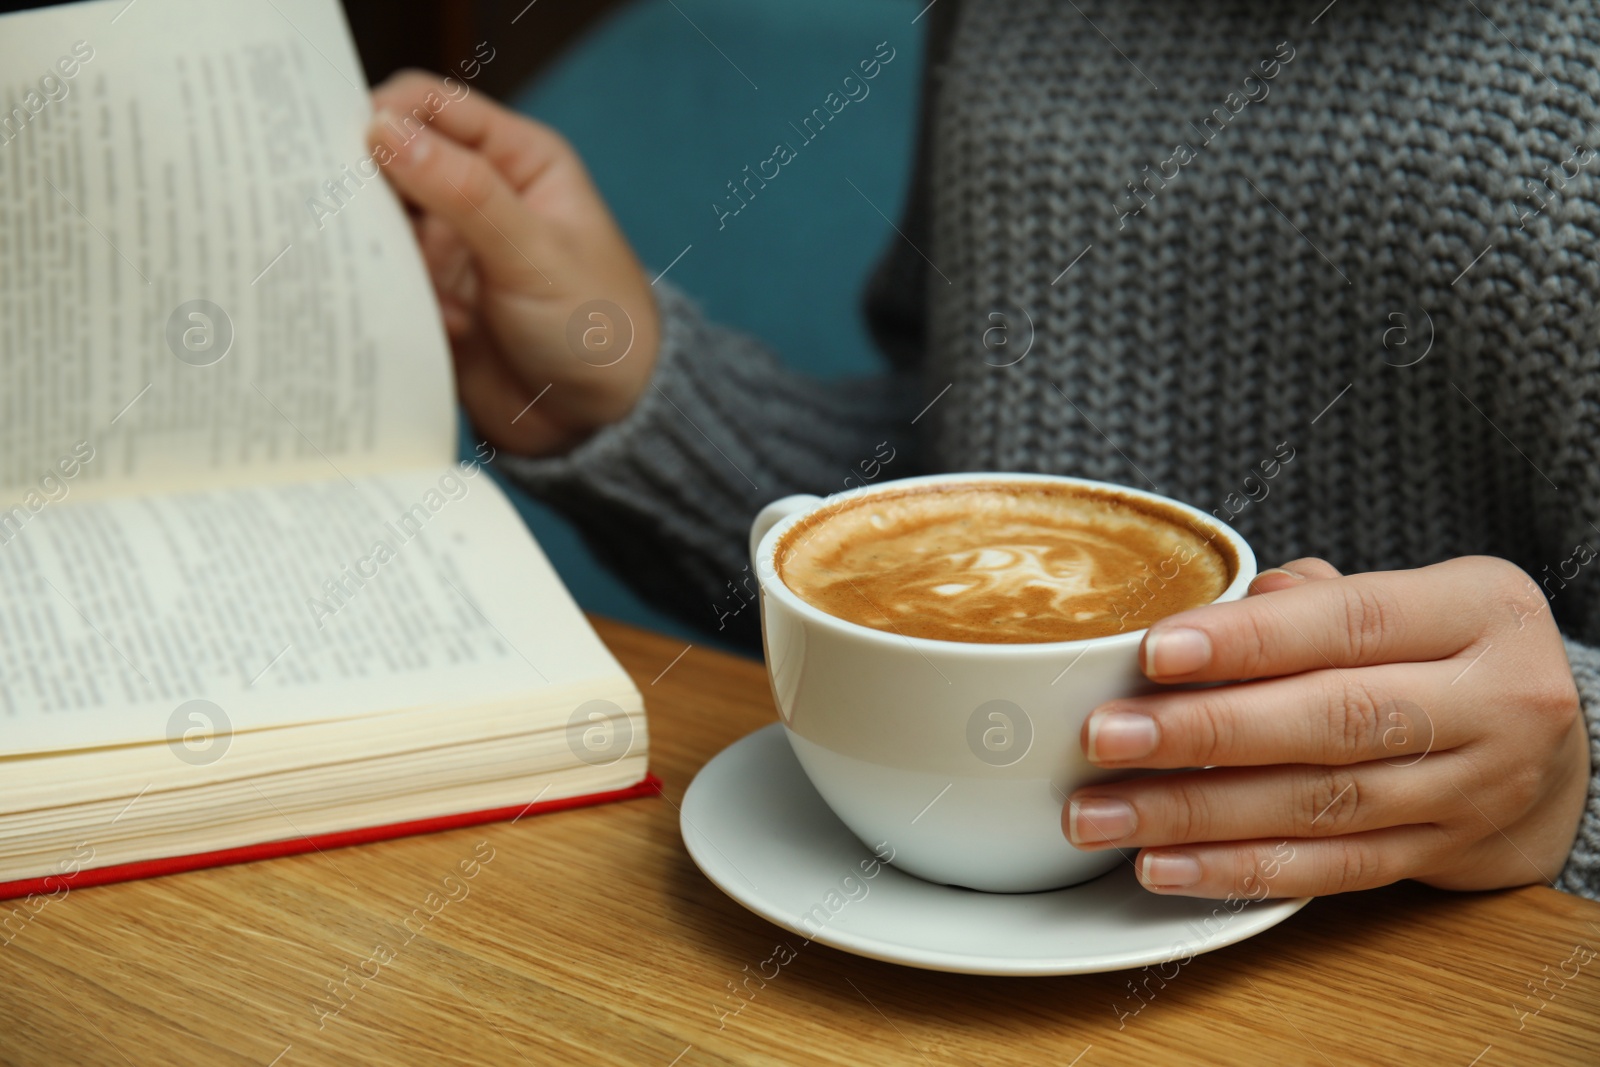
(774, 513)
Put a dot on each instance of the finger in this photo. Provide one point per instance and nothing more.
(521, 149)
(501, 407)
(451, 269)
(1380, 617)
(458, 318)
(1329, 717)
(1306, 569)
(449, 259)
(1238, 872)
(461, 187)
(1295, 801)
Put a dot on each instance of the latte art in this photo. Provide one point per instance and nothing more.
(1000, 562)
(1055, 571)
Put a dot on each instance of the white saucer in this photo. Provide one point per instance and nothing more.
(759, 831)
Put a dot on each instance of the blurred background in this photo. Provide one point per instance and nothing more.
(668, 101)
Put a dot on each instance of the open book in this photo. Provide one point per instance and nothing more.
(249, 601)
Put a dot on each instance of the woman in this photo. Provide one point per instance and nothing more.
(1326, 275)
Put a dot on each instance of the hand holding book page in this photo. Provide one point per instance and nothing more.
(227, 471)
(539, 288)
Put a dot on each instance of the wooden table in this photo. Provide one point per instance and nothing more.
(590, 937)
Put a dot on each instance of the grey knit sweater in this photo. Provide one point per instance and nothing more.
(1230, 233)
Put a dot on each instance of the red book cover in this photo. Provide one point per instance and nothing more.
(51, 884)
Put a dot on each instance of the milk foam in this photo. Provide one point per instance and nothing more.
(1001, 562)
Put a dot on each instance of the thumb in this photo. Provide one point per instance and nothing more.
(460, 186)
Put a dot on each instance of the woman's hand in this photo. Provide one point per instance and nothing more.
(1404, 724)
(538, 286)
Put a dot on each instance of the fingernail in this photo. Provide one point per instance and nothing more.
(1169, 870)
(382, 121)
(1096, 819)
(1276, 572)
(1175, 650)
(1117, 736)
(404, 145)
(1274, 579)
(419, 147)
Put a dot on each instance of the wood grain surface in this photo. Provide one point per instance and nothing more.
(589, 937)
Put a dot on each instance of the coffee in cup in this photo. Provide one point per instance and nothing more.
(1003, 562)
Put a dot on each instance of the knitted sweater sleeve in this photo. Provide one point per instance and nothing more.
(665, 497)
(1581, 875)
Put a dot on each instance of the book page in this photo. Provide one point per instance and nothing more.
(282, 604)
(203, 278)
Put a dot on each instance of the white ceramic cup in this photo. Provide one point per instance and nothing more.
(953, 758)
